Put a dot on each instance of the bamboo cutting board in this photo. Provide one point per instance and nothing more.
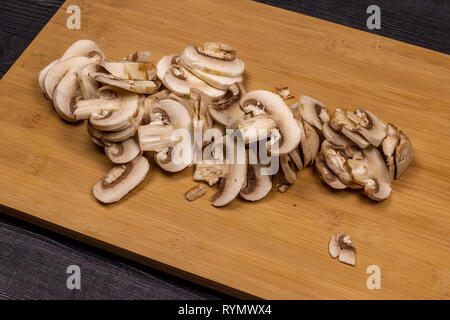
(276, 248)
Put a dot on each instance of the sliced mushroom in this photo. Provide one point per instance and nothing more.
(139, 56)
(288, 168)
(55, 74)
(258, 185)
(129, 70)
(120, 180)
(372, 173)
(88, 85)
(199, 111)
(122, 152)
(341, 246)
(368, 125)
(273, 104)
(195, 192)
(295, 157)
(310, 143)
(84, 48)
(151, 100)
(284, 92)
(210, 173)
(257, 128)
(227, 110)
(231, 184)
(313, 112)
(43, 74)
(404, 154)
(216, 81)
(340, 122)
(336, 161)
(180, 81)
(214, 58)
(388, 147)
(138, 86)
(326, 175)
(66, 95)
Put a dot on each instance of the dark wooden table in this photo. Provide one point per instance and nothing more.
(33, 261)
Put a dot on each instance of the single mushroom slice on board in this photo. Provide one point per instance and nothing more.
(120, 180)
(122, 152)
(272, 104)
(326, 175)
(404, 154)
(341, 246)
(66, 95)
(215, 58)
(314, 112)
(258, 184)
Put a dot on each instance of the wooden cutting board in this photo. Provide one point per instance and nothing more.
(276, 248)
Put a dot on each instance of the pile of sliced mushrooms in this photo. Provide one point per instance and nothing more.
(132, 108)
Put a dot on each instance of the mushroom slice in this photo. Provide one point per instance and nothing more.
(118, 136)
(210, 172)
(84, 48)
(334, 137)
(66, 95)
(216, 81)
(257, 128)
(326, 175)
(120, 180)
(274, 105)
(227, 110)
(313, 142)
(404, 154)
(340, 122)
(372, 173)
(231, 184)
(198, 107)
(368, 125)
(388, 147)
(336, 161)
(341, 246)
(288, 168)
(164, 64)
(55, 74)
(215, 58)
(43, 74)
(150, 101)
(139, 56)
(284, 92)
(180, 81)
(138, 86)
(295, 157)
(314, 112)
(129, 70)
(88, 85)
(195, 192)
(122, 152)
(258, 185)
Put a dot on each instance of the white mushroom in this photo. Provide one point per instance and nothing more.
(214, 58)
(84, 48)
(227, 110)
(88, 85)
(129, 70)
(138, 86)
(273, 105)
(341, 246)
(258, 185)
(66, 95)
(314, 112)
(122, 152)
(120, 180)
(368, 125)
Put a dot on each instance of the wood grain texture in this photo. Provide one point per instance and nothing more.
(276, 248)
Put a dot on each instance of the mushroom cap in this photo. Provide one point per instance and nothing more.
(55, 74)
(66, 94)
(258, 185)
(83, 48)
(120, 180)
(129, 70)
(122, 152)
(281, 114)
(404, 154)
(217, 61)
